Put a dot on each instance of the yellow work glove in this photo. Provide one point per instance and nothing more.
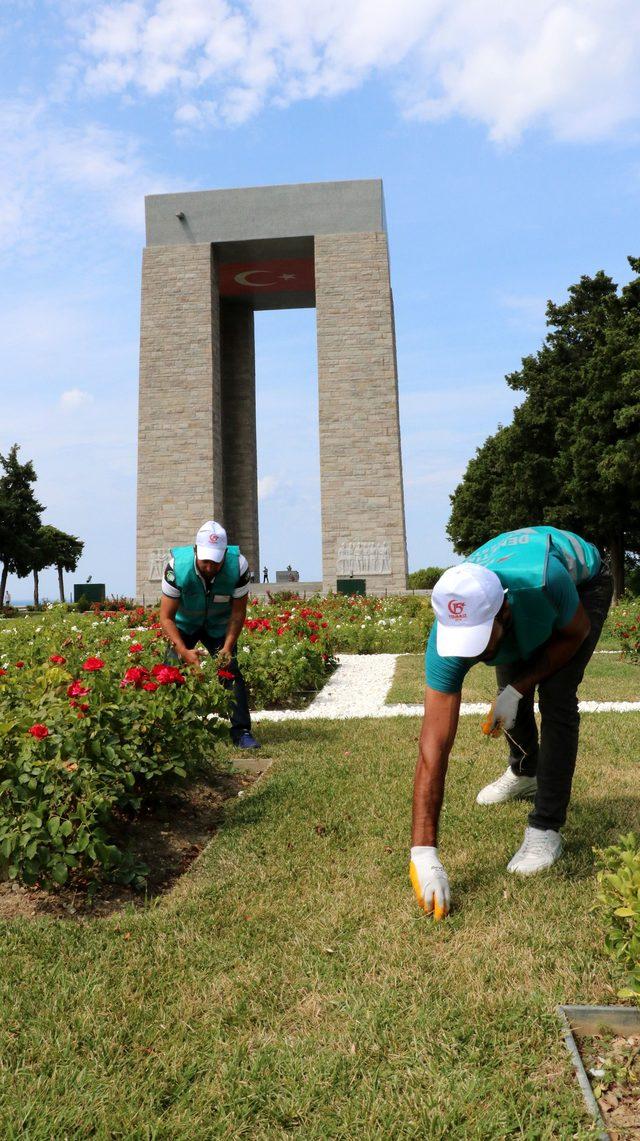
(430, 882)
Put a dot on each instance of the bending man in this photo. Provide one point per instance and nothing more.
(531, 603)
(204, 599)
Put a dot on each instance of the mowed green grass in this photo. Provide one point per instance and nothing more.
(607, 678)
(291, 986)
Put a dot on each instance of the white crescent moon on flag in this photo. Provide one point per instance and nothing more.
(241, 278)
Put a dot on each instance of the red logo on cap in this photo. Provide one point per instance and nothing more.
(456, 609)
(213, 538)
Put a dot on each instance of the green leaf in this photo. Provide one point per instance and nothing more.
(59, 872)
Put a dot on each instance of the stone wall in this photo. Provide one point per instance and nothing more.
(360, 461)
(240, 466)
(179, 426)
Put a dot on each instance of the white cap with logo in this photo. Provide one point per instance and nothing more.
(466, 599)
(211, 542)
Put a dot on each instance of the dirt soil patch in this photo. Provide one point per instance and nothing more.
(613, 1066)
(169, 833)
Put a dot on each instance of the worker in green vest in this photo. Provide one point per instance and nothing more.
(532, 604)
(204, 599)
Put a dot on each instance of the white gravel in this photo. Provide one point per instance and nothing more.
(361, 682)
(357, 689)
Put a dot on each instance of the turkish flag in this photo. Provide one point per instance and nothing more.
(280, 275)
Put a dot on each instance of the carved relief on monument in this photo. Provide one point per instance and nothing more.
(158, 559)
(363, 557)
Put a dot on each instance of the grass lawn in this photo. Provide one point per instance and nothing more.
(290, 984)
(607, 678)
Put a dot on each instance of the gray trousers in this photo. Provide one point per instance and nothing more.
(551, 757)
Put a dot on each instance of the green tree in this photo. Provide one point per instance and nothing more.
(19, 516)
(571, 456)
(63, 552)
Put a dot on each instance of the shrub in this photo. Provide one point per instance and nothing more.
(626, 627)
(619, 896)
(90, 723)
(424, 579)
(284, 652)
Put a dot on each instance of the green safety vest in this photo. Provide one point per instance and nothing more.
(202, 609)
(520, 560)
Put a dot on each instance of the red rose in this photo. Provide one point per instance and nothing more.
(57, 659)
(136, 648)
(135, 675)
(226, 675)
(84, 707)
(167, 675)
(313, 638)
(77, 689)
(2, 673)
(39, 731)
(150, 686)
(93, 664)
(19, 665)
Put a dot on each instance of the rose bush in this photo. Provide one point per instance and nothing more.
(85, 734)
(285, 653)
(626, 627)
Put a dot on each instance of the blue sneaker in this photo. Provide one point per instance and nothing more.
(246, 741)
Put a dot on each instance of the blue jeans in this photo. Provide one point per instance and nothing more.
(240, 716)
(552, 757)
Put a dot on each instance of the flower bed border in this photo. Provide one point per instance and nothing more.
(586, 1020)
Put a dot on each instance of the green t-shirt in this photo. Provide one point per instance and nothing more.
(447, 674)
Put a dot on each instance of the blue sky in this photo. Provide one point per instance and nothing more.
(507, 140)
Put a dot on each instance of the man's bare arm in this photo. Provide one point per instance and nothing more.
(439, 726)
(559, 650)
(235, 624)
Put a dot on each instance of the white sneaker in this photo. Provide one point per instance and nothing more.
(540, 849)
(507, 787)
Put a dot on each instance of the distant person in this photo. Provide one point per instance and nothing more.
(265, 574)
(532, 603)
(7, 598)
(204, 599)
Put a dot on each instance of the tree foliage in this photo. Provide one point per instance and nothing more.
(19, 516)
(27, 546)
(571, 456)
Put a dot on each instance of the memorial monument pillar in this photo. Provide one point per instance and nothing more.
(213, 257)
(239, 445)
(180, 480)
(363, 525)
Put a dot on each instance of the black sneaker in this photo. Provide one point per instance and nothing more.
(246, 741)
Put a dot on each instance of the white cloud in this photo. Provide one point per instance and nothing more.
(75, 398)
(267, 486)
(58, 179)
(572, 66)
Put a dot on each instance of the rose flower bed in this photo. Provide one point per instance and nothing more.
(398, 624)
(90, 721)
(285, 653)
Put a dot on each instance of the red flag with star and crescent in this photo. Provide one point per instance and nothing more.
(280, 275)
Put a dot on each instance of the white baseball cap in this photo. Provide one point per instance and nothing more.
(466, 599)
(211, 542)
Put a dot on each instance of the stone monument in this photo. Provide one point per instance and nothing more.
(212, 258)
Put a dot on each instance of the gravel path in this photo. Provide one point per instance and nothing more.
(361, 682)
